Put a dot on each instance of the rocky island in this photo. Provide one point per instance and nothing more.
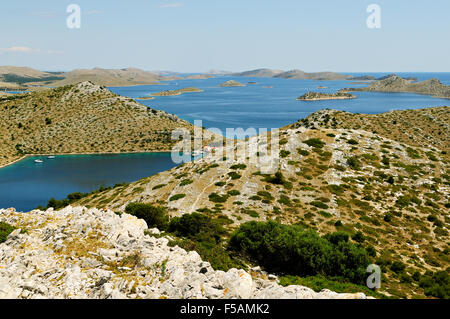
(316, 96)
(231, 83)
(177, 92)
(394, 83)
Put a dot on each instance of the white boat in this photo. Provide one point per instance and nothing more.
(51, 157)
(38, 161)
(197, 153)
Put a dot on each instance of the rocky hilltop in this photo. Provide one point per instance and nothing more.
(81, 118)
(395, 83)
(318, 96)
(90, 253)
(421, 127)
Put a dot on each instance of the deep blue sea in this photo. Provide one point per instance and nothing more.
(257, 106)
(27, 184)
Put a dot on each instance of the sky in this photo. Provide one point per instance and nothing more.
(232, 35)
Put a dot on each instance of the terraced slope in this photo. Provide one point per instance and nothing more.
(385, 193)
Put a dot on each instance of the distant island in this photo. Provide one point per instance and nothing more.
(145, 98)
(24, 78)
(231, 83)
(316, 96)
(294, 74)
(394, 83)
(199, 77)
(177, 92)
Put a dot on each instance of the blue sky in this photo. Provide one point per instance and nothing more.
(234, 35)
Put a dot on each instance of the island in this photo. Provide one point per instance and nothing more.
(177, 92)
(395, 83)
(145, 98)
(316, 96)
(199, 77)
(231, 83)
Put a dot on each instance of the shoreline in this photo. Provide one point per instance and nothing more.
(87, 153)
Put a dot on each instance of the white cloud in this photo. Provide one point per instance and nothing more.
(171, 5)
(18, 49)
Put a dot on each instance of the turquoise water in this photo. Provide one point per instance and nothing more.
(26, 184)
(259, 107)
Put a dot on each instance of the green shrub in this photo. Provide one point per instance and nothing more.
(291, 249)
(315, 142)
(233, 192)
(436, 284)
(176, 197)
(302, 152)
(352, 142)
(239, 166)
(216, 198)
(203, 234)
(185, 182)
(319, 204)
(5, 230)
(354, 162)
(153, 216)
(234, 175)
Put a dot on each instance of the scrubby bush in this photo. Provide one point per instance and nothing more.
(291, 249)
(203, 234)
(436, 284)
(315, 142)
(153, 216)
(177, 197)
(5, 230)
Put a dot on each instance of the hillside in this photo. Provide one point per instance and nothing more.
(28, 77)
(82, 118)
(384, 193)
(427, 127)
(394, 83)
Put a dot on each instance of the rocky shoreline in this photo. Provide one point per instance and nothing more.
(89, 253)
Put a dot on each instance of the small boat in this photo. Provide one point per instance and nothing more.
(197, 153)
(51, 157)
(38, 161)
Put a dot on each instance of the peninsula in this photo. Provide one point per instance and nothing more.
(79, 119)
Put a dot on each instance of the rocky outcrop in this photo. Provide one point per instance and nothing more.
(90, 253)
(316, 96)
